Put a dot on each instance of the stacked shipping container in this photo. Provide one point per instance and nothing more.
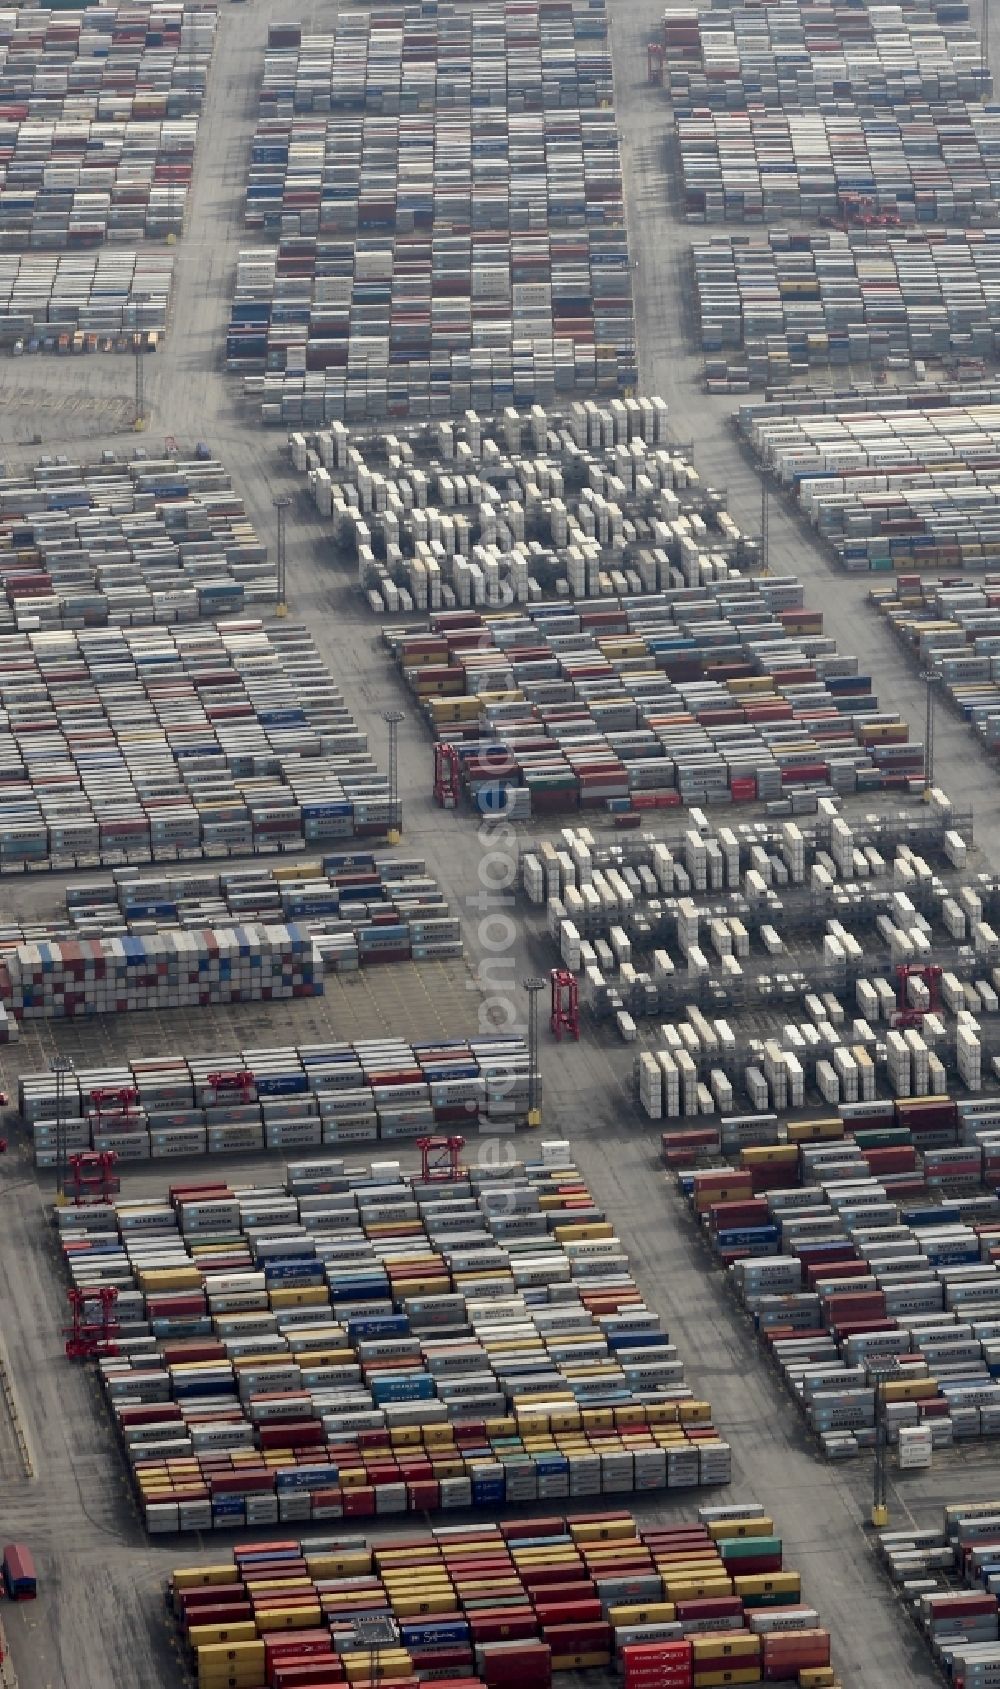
(132, 744)
(586, 501)
(790, 301)
(458, 239)
(490, 1606)
(800, 57)
(128, 543)
(917, 165)
(864, 1236)
(691, 695)
(143, 943)
(105, 296)
(359, 1343)
(253, 1099)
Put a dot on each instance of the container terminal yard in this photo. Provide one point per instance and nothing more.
(232, 905)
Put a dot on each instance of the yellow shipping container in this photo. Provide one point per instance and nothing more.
(908, 1389)
(289, 1618)
(803, 1131)
(735, 1646)
(768, 1583)
(346, 1563)
(655, 1612)
(306, 1296)
(243, 1630)
(231, 1654)
(201, 1577)
(721, 1530)
(738, 1674)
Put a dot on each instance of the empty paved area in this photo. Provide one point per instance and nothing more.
(100, 1621)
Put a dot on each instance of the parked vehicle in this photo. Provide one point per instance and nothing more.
(19, 1572)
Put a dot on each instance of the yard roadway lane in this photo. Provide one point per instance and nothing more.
(99, 1622)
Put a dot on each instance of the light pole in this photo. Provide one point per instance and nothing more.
(61, 1066)
(140, 382)
(765, 538)
(392, 718)
(281, 504)
(533, 987)
(930, 679)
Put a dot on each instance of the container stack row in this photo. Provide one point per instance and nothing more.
(457, 515)
(99, 123)
(947, 1579)
(862, 1238)
(86, 300)
(361, 1343)
(722, 693)
(915, 165)
(129, 744)
(891, 488)
(950, 627)
(244, 935)
(446, 198)
(250, 1100)
(69, 183)
(791, 302)
(127, 542)
(799, 58)
(106, 61)
(354, 890)
(498, 1605)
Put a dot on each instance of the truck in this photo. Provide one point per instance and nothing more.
(19, 1577)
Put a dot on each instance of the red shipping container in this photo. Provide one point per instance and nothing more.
(359, 1503)
(568, 1612)
(306, 1643)
(786, 1653)
(556, 1577)
(515, 1668)
(503, 1624)
(320, 1675)
(590, 1638)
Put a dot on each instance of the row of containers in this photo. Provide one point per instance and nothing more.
(78, 184)
(505, 1605)
(889, 487)
(97, 136)
(446, 210)
(915, 165)
(54, 302)
(697, 695)
(552, 53)
(241, 1102)
(451, 516)
(947, 1578)
(126, 744)
(950, 627)
(126, 542)
(244, 936)
(803, 57)
(776, 306)
(865, 1250)
(127, 60)
(356, 1342)
(353, 897)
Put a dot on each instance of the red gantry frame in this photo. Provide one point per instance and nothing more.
(565, 1015)
(94, 1331)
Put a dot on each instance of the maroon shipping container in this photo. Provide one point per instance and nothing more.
(501, 1667)
(503, 1624)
